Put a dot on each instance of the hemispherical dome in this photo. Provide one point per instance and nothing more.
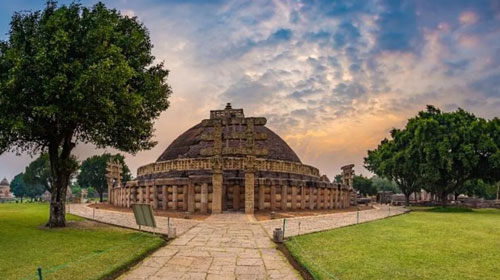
(4, 182)
(190, 143)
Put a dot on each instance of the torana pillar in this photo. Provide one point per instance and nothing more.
(216, 185)
(249, 184)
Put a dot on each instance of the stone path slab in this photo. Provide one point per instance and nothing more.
(224, 246)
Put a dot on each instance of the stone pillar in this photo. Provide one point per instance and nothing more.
(331, 198)
(318, 198)
(341, 197)
(164, 199)
(147, 194)
(174, 197)
(236, 197)
(134, 194)
(250, 178)
(311, 198)
(155, 197)
(336, 195)
(216, 164)
(217, 192)
(191, 198)
(302, 198)
(249, 192)
(185, 198)
(110, 195)
(141, 194)
(262, 196)
(326, 201)
(284, 195)
(273, 198)
(204, 198)
(224, 197)
(294, 197)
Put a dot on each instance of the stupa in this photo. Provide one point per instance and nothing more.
(230, 162)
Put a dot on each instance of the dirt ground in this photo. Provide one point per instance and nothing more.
(162, 213)
(259, 215)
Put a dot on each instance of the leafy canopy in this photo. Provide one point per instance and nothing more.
(93, 172)
(73, 74)
(81, 73)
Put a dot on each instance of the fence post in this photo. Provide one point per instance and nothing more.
(40, 277)
(357, 217)
(284, 225)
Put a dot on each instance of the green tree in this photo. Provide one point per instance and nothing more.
(364, 185)
(93, 172)
(395, 160)
(383, 184)
(18, 186)
(449, 145)
(38, 171)
(76, 189)
(489, 152)
(73, 74)
(479, 188)
(338, 178)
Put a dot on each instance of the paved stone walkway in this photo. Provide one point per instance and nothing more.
(224, 246)
(309, 224)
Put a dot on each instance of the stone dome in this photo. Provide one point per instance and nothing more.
(4, 182)
(189, 145)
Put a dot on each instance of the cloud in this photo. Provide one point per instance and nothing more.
(468, 17)
(331, 77)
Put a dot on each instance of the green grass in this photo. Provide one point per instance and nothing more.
(83, 250)
(425, 244)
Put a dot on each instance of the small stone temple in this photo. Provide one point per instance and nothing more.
(230, 162)
(5, 189)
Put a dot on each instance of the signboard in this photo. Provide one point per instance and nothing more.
(144, 215)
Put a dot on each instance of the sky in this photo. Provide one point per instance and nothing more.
(331, 77)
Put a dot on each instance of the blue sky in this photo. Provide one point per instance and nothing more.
(332, 77)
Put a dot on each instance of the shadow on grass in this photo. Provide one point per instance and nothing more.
(454, 209)
(441, 209)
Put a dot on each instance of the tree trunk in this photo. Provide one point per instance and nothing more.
(444, 199)
(498, 190)
(60, 166)
(58, 202)
(100, 197)
(456, 196)
(407, 198)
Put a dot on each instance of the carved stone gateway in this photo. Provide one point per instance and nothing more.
(233, 136)
(114, 174)
(228, 162)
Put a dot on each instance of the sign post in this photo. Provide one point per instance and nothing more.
(144, 216)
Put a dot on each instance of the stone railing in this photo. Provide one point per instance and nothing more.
(229, 163)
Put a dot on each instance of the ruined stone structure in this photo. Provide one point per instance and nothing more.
(5, 189)
(230, 162)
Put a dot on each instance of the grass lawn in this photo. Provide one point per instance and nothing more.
(423, 244)
(83, 250)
